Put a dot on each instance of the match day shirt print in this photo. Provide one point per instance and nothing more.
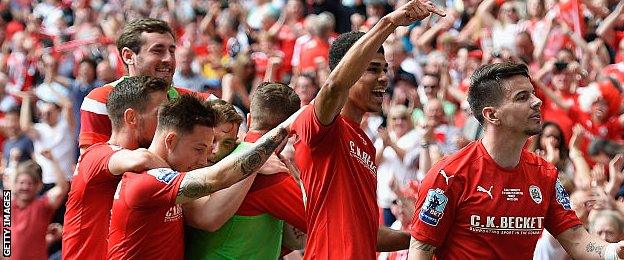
(470, 208)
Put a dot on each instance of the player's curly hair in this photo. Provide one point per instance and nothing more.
(341, 45)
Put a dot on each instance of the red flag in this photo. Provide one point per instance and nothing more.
(570, 13)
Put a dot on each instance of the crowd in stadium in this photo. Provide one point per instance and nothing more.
(71, 70)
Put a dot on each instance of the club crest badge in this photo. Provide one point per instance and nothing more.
(433, 208)
(536, 194)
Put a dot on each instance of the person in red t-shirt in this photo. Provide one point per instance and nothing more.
(147, 47)
(148, 204)
(31, 214)
(133, 102)
(493, 198)
(335, 156)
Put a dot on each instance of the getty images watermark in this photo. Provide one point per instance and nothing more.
(6, 223)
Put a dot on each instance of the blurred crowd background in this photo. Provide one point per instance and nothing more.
(53, 53)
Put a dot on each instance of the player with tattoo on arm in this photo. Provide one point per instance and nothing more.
(147, 220)
(335, 156)
(492, 199)
(255, 231)
(133, 108)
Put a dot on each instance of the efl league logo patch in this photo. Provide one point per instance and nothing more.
(562, 195)
(433, 208)
(536, 194)
(165, 175)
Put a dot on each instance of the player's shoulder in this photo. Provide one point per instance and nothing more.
(99, 149)
(538, 164)
(164, 175)
(462, 161)
(100, 94)
(201, 95)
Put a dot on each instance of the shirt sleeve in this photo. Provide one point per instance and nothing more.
(309, 129)
(156, 187)
(560, 216)
(94, 163)
(283, 201)
(435, 207)
(94, 128)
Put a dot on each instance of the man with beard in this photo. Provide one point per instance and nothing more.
(132, 107)
(493, 198)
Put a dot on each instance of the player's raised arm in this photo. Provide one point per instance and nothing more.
(334, 92)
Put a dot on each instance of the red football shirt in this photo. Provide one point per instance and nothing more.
(88, 207)
(315, 48)
(277, 194)
(470, 208)
(146, 223)
(95, 126)
(337, 164)
(29, 226)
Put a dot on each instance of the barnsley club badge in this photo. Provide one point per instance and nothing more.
(433, 208)
(536, 194)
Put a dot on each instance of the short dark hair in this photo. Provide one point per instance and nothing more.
(132, 92)
(131, 35)
(182, 114)
(486, 85)
(271, 104)
(226, 113)
(341, 45)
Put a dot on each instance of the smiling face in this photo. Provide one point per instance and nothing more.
(26, 187)
(519, 112)
(155, 58)
(368, 92)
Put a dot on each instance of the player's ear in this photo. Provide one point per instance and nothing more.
(127, 56)
(171, 140)
(130, 117)
(490, 115)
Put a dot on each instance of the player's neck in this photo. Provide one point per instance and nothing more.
(123, 139)
(503, 148)
(352, 112)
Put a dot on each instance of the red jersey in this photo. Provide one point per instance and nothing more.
(146, 223)
(29, 226)
(88, 207)
(315, 48)
(95, 126)
(277, 194)
(337, 164)
(471, 208)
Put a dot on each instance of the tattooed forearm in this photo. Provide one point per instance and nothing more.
(594, 248)
(194, 187)
(425, 247)
(253, 159)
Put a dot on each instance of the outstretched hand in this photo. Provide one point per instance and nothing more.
(414, 10)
